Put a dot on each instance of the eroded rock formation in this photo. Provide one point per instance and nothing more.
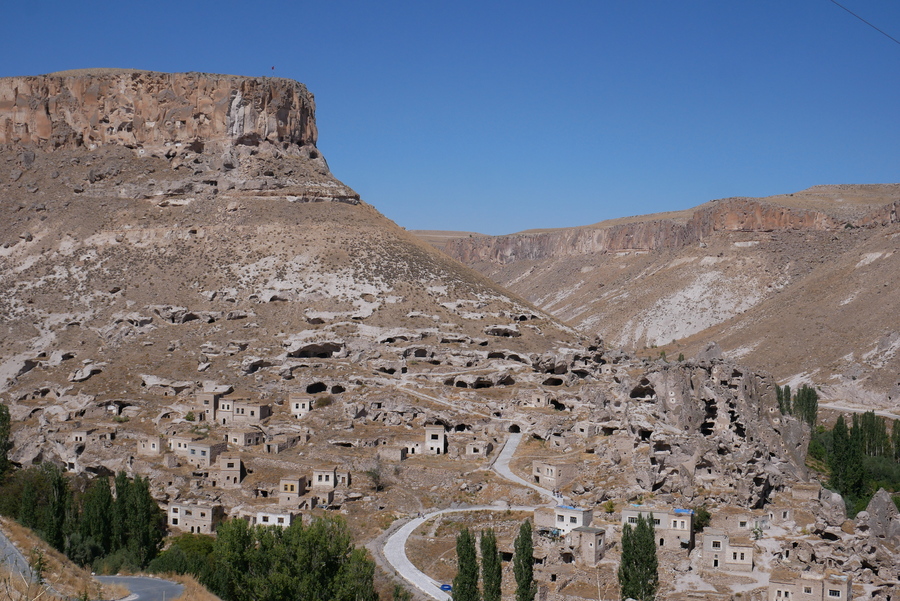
(147, 109)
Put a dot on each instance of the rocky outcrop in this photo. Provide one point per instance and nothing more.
(144, 109)
(734, 215)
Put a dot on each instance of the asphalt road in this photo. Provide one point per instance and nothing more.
(13, 558)
(394, 550)
(144, 588)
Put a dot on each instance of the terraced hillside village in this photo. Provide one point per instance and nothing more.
(189, 295)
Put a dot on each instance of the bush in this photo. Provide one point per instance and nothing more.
(324, 401)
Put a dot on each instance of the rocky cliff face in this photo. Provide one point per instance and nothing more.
(730, 215)
(142, 109)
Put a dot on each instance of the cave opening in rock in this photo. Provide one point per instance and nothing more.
(316, 387)
(514, 428)
(553, 382)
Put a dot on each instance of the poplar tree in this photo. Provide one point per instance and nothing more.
(523, 564)
(895, 435)
(465, 584)
(638, 570)
(491, 568)
(5, 443)
(840, 447)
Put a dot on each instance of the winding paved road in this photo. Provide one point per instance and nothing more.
(395, 545)
(144, 588)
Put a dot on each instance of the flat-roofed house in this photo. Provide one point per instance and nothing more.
(180, 443)
(290, 489)
(325, 478)
(150, 445)
(244, 437)
(567, 518)
(196, 518)
(790, 585)
(551, 474)
(586, 545)
(674, 527)
(203, 454)
(722, 551)
(229, 471)
(249, 412)
(435, 439)
(205, 405)
(300, 404)
(479, 448)
(272, 517)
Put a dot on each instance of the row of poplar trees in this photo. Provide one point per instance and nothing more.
(465, 585)
(638, 570)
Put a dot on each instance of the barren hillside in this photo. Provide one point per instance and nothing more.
(802, 285)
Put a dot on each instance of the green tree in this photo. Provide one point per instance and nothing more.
(840, 450)
(53, 523)
(354, 581)
(638, 570)
(895, 436)
(120, 517)
(5, 442)
(523, 564)
(491, 566)
(465, 584)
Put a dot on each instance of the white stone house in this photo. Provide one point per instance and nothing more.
(290, 489)
(790, 585)
(435, 439)
(300, 404)
(552, 475)
(673, 527)
(196, 518)
(150, 445)
(720, 551)
(203, 454)
(244, 437)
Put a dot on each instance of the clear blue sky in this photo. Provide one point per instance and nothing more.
(503, 116)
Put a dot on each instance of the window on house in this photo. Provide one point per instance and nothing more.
(742, 557)
(193, 451)
(174, 510)
(231, 465)
(434, 437)
(717, 544)
(203, 453)
(280, 520)
(320, 477)
(656, 521)
(560, 518)
(632, 520)
(202, 514)
(573, 520)
(265, 518)
(174, 521)
(743, 524)
(784, 515)
(734, 556)
(835, 593)
(807, 590)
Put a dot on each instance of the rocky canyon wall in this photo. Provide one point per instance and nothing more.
(740, 215)
(143, 109)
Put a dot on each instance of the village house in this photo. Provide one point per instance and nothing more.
(180, 443)
(290, 489)
(412, 447)
(552, 475)
(393, 454)
(281, 442)
(790, 585)
(203, 454)
(585, 545)
(272, 517)
(229, 471)
(196, 518)
(723, 552)
(205, 406)
(435, 439)
(737, 520)
(241, 411)
(674, 527)
(244, 437)
(150, 445)
(91, 435)
(562, 519)
(329, 478)
(300, 404)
